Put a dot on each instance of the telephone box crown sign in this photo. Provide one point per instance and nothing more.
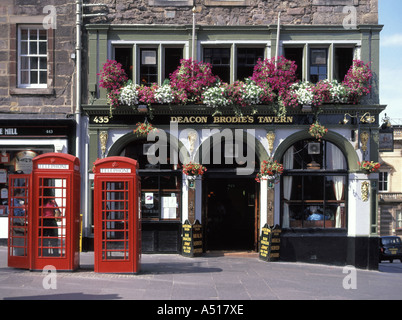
(56, 161)
(115, 165)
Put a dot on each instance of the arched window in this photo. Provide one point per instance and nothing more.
(160, 184)
(314, 186)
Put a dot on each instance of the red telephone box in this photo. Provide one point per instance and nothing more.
(117, 245)
(18, 237)
(55, 211)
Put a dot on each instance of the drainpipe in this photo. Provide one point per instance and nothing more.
(278, 33)
(77, 112)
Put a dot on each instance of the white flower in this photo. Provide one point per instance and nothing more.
(215, 97)
(129, 95)
(304, 92)
(252, 93)
(163, 94)
(339, 92)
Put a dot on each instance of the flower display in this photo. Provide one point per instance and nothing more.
(277, 73)
(164, 94)
(358, 81)
(304, 92)
(273, 83)
(339, 92)
(193, 77)
(143, 128)
(269, 170)
(317, 131)
(194, 169)
(369, 166)
(112, 75)
(146, 94)
(216, 97)
(129, 95)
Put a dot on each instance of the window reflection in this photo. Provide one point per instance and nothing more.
(315, 196)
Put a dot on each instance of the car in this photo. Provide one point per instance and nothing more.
(390, 248)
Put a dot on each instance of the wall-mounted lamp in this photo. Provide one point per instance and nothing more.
(363, 137)
(365, 118)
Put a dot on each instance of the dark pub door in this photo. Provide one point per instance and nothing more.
(231, 215)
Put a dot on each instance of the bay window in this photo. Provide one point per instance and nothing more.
(313, 186)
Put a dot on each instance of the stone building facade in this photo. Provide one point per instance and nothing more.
(240, 12)
(149, 37)
(390, 189)
(37, 83)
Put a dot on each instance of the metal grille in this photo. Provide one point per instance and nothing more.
(115, 220)
(52, 217)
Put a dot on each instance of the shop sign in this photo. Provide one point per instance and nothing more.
(386, 140)
(192, 239)
(201, 119)
(8, 132)
(270, 243)
(32, 131)
(231, 119)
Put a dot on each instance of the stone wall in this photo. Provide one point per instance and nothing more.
(58, 98)
(236, 12)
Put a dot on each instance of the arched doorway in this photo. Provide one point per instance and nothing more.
(231, 205)
(161, 190)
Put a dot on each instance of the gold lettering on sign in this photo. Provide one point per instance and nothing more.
(191, 119)
(271, 119)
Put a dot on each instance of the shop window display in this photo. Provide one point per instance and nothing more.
(15, 160)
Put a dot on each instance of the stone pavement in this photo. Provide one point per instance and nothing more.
(210, 277)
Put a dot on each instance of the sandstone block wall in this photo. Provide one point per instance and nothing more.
(236, 12)
(58, 98)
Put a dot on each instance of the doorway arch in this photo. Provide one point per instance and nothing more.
(231, 198)
(161, 190)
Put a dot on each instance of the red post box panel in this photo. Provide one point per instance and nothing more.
(55, 212)
(117, 245)
(18, 227)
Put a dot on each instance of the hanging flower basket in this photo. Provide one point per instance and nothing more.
(317, 131)
(369, 166)
(143, 128)
(269, 170)
(192, 171)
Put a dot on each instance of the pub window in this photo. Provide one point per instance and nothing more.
(313, 186)
(32, 57)
(383, 181)
(219, 58)
(296, 54)
(246, 60)
(148, 66)
(318, 64)
(160, 184)
(399, 219)
(125, 57)
(172, 61)
(343, 62)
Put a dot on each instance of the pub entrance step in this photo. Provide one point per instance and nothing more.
(231, 253)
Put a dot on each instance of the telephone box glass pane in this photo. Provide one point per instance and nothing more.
(18, 217)
(52, 217)
(115, 220)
